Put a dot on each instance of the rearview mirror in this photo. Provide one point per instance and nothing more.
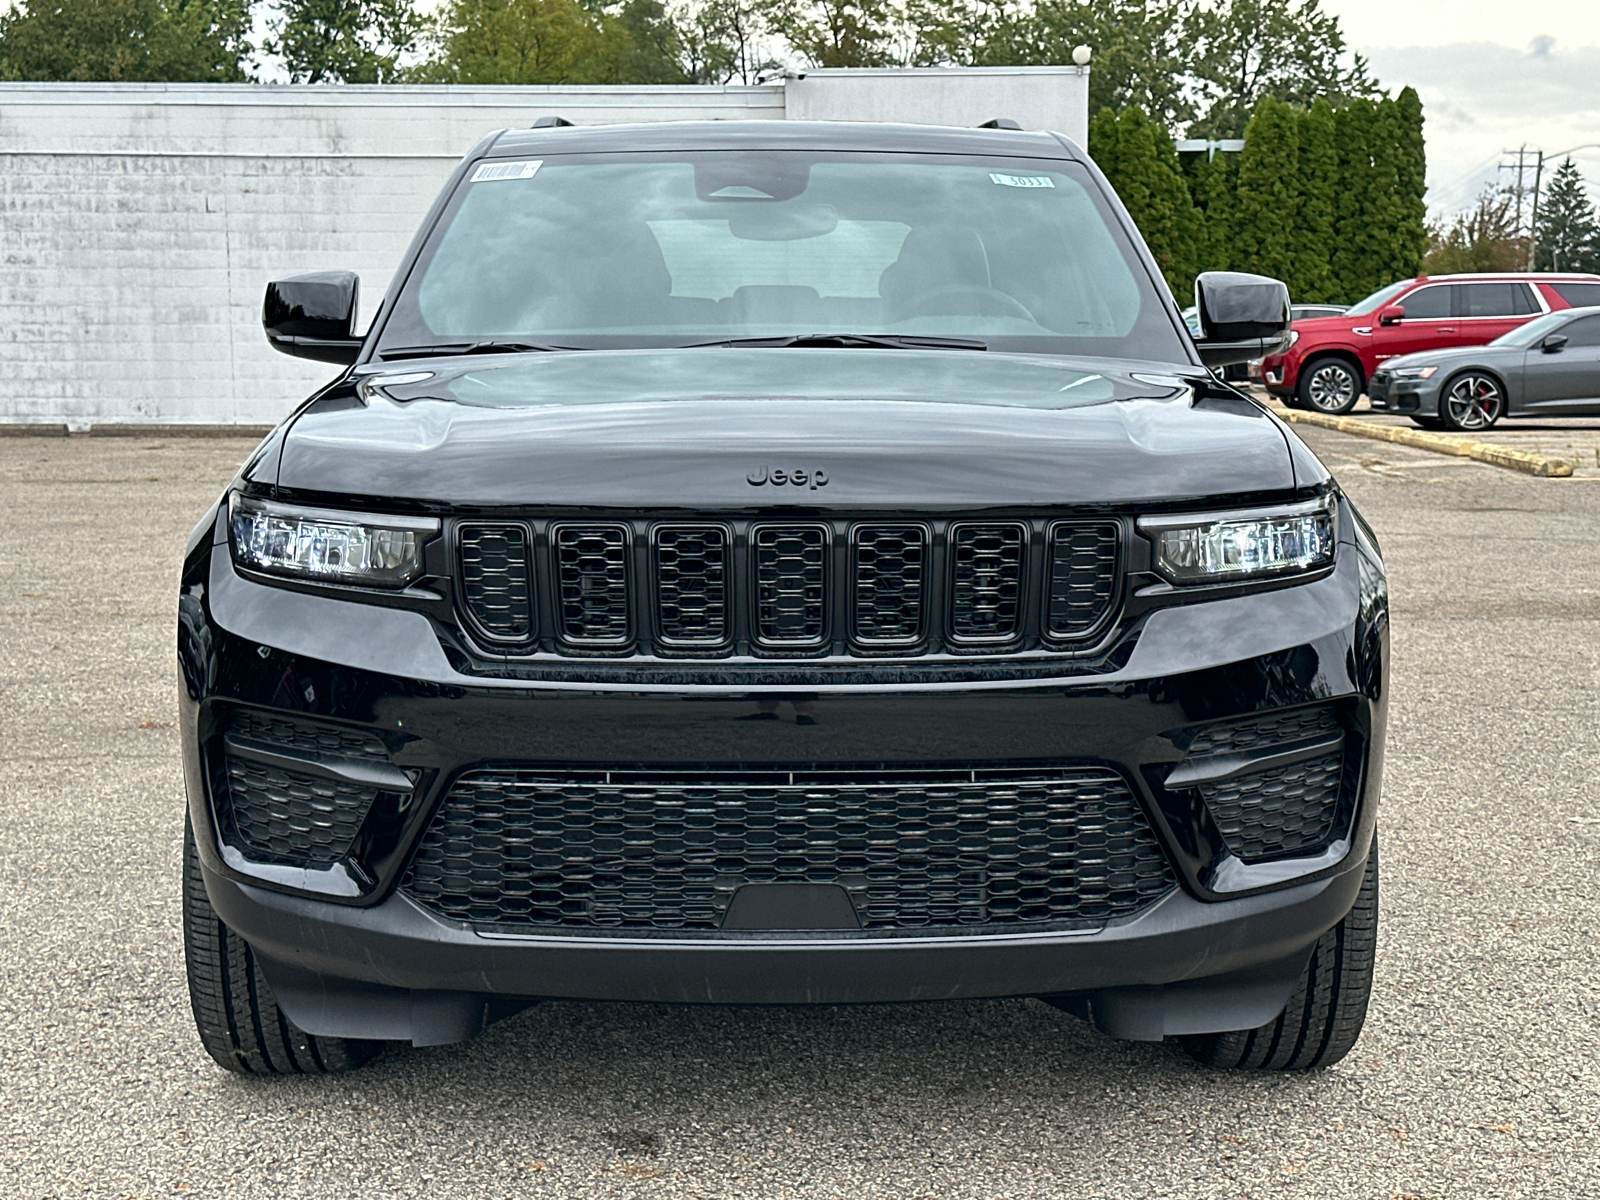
(1241, 317)
(1392, 315)
(1553, 343)
(313, 316)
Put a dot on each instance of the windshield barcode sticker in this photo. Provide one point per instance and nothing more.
(1022, 180)
(493, 172)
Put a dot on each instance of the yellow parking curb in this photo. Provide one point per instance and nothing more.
(1440, 443)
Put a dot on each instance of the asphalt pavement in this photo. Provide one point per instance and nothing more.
(1478, 1075)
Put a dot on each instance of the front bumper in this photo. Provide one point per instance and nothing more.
(350, 955)
(1410, 397)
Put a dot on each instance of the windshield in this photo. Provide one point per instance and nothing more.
(1533, 332)
(654, 249)
(1378, 299)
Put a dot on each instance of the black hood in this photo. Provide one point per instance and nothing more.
(694, 428)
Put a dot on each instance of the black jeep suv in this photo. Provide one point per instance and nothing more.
(779, 563)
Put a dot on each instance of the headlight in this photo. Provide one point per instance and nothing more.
(1217, 547)
(1294, 336)
(1415, 372)
(334, 547)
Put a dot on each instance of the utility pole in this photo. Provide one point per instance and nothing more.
(1533, 218)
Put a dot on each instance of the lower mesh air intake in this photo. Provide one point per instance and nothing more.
(916, 849)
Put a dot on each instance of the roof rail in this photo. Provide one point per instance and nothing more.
(552, 122)
(1000, 123)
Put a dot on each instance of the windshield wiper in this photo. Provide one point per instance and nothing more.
(891, 341)
(444, 348)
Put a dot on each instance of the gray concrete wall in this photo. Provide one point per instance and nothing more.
(139, 223)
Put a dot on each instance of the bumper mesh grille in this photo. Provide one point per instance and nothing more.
(1286, 812)
(692, 584)
(309, 736)
(1083, 575)
(592, 581)
(790, 570)
(495, 579)
(916, 849)
(1291, 810)
(986, 604)
(275, 816)
(890, 583)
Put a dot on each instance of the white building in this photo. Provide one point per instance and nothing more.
(140, 222)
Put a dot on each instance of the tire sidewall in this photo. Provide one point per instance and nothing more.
(1446, 421)
(1309, 371)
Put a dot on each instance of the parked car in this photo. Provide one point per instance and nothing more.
(1329, 360)
(1548, 367)
(779, 563)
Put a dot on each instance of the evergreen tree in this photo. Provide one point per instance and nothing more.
(194, 41)
(1411, 235)
(1267, 215)
(1567, 235)
(1214, 184)
(344, 41)
(1312, 279)
(1139, 159)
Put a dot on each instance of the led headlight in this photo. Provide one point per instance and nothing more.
(1415, 372)
(326, 545)
(1218, 547)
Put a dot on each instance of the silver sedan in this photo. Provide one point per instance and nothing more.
(1549, 367)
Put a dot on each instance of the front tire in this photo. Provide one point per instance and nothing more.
(1471, 402)
(240, 1024)
(1328, 385)
(1432, 423)
(1324, 1017)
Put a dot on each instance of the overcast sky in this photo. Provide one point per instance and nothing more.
(1492, 76)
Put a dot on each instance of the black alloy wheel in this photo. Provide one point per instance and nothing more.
(1329, 385)
(240, 1024)
(1323, 1018)
(1472, 401)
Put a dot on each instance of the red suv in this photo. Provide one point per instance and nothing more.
(1329, 359)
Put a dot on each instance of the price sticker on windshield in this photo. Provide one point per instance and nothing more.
(494, 172)
(1022, 181)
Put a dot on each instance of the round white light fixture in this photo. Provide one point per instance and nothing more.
(1081, 55)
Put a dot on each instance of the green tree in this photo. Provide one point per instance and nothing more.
(1267, 208)
(840, 33)
(517, 41)
(1141, 57)
(1567, 234)
(194, 41)
(726, 41)
(646, 43)
(1481, 239)
(1214, 184)
(1242, 50)
(1311, 279)
(1411, 171)
(344, 41)
(1138, 157)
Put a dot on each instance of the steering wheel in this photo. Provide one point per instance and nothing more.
(947, 301)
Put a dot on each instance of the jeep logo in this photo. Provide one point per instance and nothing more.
(810, 479)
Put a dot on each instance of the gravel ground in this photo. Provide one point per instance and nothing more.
(1478, 1075)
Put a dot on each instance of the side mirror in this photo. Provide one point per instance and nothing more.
(1392, 315)
(1241, 317)
(1553, 343)
(313, 316)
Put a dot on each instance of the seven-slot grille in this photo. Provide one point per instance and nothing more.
(917, 848)
(887, 587)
